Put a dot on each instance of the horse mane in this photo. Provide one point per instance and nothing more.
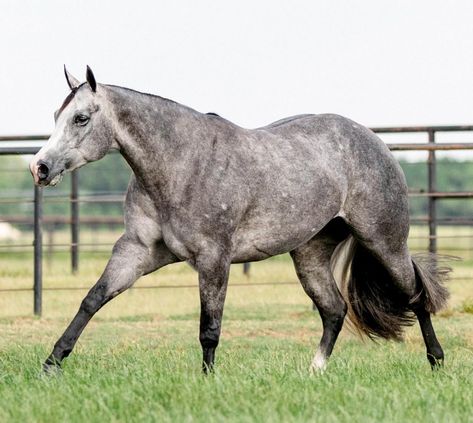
(143, 93)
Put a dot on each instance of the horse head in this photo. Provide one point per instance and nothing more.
(83, 132)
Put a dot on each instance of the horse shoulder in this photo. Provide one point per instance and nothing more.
(141, 215)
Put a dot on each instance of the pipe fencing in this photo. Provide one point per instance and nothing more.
(15, 147)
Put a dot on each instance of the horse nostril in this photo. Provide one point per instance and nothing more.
(43, 171)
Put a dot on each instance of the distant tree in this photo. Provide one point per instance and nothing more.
(452, 175)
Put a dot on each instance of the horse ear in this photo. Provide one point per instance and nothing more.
(91, 79)
(71, 81)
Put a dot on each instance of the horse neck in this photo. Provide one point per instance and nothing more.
(154, 134)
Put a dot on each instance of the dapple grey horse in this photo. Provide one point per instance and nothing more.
(206, 191)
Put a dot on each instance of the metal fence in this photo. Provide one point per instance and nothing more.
(16, 145)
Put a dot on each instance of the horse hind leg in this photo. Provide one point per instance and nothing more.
(389, 287)
(422, 281)
(434, 295)
(312, 263)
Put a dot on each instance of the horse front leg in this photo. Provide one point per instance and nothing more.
(130, 260)
(213, 279)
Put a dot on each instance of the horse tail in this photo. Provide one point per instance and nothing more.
(431, 274)
(376, 306)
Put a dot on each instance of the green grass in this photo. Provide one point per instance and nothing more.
(143, 370)
(467, 306)
(139, 358)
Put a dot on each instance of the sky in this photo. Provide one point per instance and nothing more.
(381, 63)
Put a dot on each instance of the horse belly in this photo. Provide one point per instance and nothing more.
(271, 234)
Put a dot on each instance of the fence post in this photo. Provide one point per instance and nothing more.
(38, 250)
(74, 221)
(432, 188)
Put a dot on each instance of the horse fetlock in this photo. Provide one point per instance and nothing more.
(209, 338)
(208, 360)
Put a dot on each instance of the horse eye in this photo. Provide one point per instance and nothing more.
(81, 120)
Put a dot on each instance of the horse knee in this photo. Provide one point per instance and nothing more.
(209, 339)
(92, 302)
(209, 331)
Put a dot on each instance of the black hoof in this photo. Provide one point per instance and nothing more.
(51, 367)
(207, 369)
(436, 363)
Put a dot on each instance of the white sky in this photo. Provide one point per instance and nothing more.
(379, 62)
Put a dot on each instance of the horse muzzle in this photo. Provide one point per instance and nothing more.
(44, 173)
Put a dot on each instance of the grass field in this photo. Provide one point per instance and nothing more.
(139, 359)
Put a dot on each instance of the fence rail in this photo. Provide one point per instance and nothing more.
(15, 145)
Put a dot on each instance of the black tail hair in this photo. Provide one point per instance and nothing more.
(376, 307)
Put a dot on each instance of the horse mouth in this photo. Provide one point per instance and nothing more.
(56, 179)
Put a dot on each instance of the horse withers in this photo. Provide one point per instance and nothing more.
(211, 193)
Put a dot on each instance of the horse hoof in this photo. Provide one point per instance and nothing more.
(436, 361)
(436, 364)
(316, 371)
(318, 365)
(51, 369)
(207, 369)
(317, 368)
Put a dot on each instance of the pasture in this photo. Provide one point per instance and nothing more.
(139, 359)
